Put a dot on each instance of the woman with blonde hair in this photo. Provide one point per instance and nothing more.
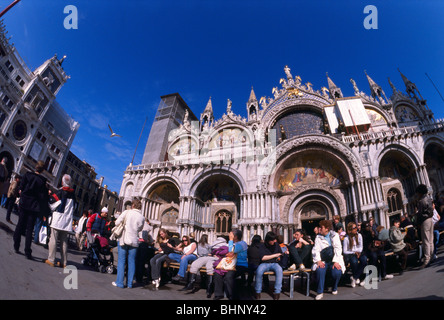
(353, 253)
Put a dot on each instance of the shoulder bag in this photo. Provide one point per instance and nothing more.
(117, 231)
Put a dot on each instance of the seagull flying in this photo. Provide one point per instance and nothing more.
(112, 132)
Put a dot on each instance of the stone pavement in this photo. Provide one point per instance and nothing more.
(22, 279)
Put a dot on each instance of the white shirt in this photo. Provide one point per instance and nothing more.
(134, 224)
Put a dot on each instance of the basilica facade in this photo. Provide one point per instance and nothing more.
(300, 156)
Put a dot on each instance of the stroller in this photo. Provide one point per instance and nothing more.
(100, 255)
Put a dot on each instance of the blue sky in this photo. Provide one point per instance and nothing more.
(126, 54)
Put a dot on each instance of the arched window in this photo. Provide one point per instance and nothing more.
(394, 200)
(223, 222)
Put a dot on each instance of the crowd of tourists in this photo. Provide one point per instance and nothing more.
(331, 252)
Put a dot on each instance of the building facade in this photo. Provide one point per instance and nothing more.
(33, 126)
(300, 156)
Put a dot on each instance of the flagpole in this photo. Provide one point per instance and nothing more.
(132, 160)
(434, 86)
(9, 7)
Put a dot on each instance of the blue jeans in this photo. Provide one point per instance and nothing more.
(38, 225)
(321, 274)
(436, 239)
(357, 264)
(126, 254)
(264, 267)
(183, 260)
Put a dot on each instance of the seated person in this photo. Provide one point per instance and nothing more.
(270, 253)
(353, 253)
(327, 257)
(186, 252)
(300, 251)
(399, 247)
(225, 280)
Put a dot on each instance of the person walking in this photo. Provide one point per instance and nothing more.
(61, 223)
(34, 199)
(128, 243)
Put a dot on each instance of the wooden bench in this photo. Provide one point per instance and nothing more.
(291, 274)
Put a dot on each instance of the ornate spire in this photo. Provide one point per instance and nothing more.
(252, 106)
(335, 91)
(252, 96)
(412, 90)
(376, 90)
(209, 107)
(206, 118)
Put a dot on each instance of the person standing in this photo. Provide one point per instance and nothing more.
(3, 181)
(34, 199)
(81, 230)
(424, 219)
(128, 243)
(13, 193)
(61, 222)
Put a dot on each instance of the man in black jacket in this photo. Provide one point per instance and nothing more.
(34, 199)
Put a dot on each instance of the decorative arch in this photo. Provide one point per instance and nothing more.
(272, 113)
(222, 170)
(322, 143)
(319, 192)
(183, 145)
(129, 190)
(222, 222)
(405, 111)
(230, 135)
(151, 184)
(399, 147)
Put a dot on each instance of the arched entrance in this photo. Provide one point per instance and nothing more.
(311, 213)
(162, 205)
(215, 206)
(398, 171)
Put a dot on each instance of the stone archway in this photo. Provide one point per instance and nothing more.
(299, 204)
